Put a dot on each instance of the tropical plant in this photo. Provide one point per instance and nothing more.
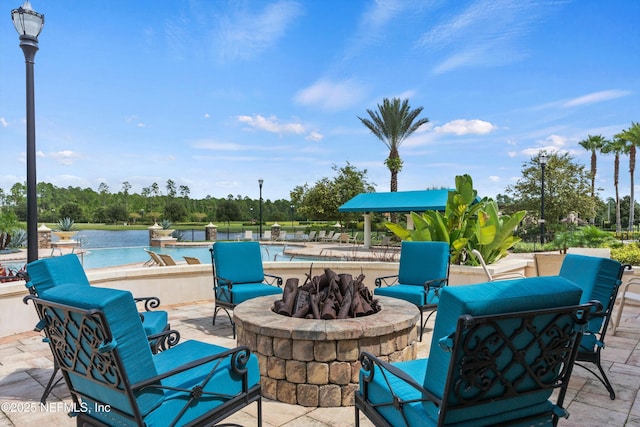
(66, 224)
(632, 138)
(166, 224)
(616, 146)
(467, 223)
(8, 225)
(392, 123)
(593, 143)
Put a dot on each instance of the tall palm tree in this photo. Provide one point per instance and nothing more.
(632, 138)
(392, 123)
(593, 143)
(617, 147)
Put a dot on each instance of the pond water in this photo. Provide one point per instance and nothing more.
(102, 248)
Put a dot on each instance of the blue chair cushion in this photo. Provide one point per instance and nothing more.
(154, 322)
(246, 291)
(484, 299)
(598, 278)
(48, 272)
(239, 262)
(130, 340)
(423, 261)
(411, 293)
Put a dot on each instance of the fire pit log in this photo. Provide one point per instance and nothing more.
(327, 296)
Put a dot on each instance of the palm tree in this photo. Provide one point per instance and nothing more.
(631, 137)
(593, 143)
(616, 146)
(392, 123)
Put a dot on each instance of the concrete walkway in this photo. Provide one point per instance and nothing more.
(26, 364)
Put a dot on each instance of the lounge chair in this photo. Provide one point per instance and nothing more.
(238, 276)
(321, 235)
(629, 295)
(329, 236)
(266, 235)
(113, 377)
(494, 277)
(298, 236)
(167, 259)
(423, 273)
(192, 260)
(501, 354)
(154, 259)
(599, 279)
(312, 236)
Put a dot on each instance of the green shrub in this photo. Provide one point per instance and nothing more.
(627, 254)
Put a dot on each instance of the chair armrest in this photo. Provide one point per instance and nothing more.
(369, 362)
(435, 283)
(274, 279)
(149, 302)
(225, 282)
(163, 340)
(239, 359)
(383, 281)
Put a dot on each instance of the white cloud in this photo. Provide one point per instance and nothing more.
(465, 127)
(65, 157)
(494, 178)
(271, 124)
(314, 136)
(595, 97)
(3, 122)
(330, 95)
(512, 154)
(219, 146)
(551, 144)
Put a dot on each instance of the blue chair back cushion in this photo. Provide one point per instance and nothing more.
(48, 272)
(598, 278)
(129, 337)
(239, 262)
(486, 299)
(423, 261)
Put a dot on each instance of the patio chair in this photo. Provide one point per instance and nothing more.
(599, 279)
(192, 260)
(321, 235)
(501, 353)
(328, 236)
(266, 235)
(629, 294)
(167, 260)
(238, 276)
(48, 273)
(97, 339)
(423, 272)
(312, 236)
(154, 259)
(492, 277)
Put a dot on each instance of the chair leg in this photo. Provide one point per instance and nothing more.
(233, 324)
(602, 377)
(51, 384)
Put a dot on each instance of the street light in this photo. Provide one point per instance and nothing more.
(543, 162)
(260, 182)
(28, 24)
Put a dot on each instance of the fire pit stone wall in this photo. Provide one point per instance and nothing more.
(314, 363)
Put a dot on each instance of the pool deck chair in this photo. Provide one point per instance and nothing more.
(629, 295)
(167, 259)
(47, 273)
(501, 353)
(423, 272)
(599, 279)
(238, 276)
(192, 260)
(97, 339)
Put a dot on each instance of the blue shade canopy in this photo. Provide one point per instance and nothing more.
(398, 201)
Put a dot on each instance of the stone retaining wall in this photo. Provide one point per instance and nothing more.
(315, 362)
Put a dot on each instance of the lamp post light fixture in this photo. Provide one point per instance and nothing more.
(260, 182)
(28, 24)
(543, 162)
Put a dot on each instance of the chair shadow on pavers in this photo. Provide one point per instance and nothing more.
(599, 279)
(46, 273)
(422, 274)
(238, 276)
(97, 338)
(501, 353)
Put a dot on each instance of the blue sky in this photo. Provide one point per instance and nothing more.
(217, 94)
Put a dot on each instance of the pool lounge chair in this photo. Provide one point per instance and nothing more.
(167, 259)
(192, 260)
(154, 259)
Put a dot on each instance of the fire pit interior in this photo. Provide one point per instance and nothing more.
(314, 361)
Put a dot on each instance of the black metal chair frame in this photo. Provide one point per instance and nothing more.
(475, 364)
(595, 357)
(60, 334)
(226, 286)
(437, 284)
(158, 342)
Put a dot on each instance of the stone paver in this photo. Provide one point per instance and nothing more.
(26, 364)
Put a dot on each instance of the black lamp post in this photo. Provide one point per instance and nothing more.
(543, 163)
(260, 182)
(29, 24)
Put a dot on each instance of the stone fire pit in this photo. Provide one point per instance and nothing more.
(313, 362)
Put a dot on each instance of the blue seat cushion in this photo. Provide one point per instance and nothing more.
(130, 340)
(423, 261)
(246, 291)
(484, 299)
(238, 262)
(411, 293)
(154, 322)
(48, 272)
(598, 278)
